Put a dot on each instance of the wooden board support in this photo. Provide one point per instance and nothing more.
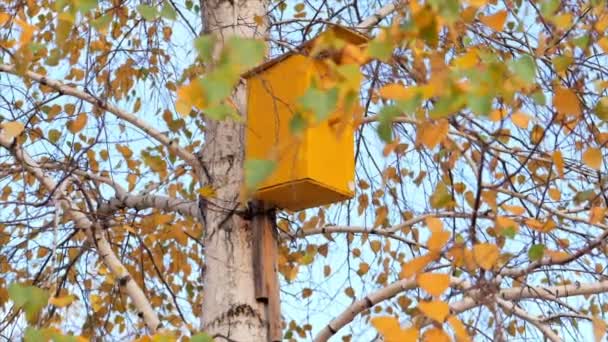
(265, 266)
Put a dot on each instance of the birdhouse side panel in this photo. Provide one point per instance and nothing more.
(331, 156)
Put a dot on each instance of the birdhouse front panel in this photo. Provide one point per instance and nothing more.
(315, 167)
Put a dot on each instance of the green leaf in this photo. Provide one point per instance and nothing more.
(548, 7)
(34, 335)
(536, 252)
(201, 337)
(299, 7)
(147, 12)
(480, 104)
(168, 12)
(54, 136)
(258, 170)
(508, 232)
(385, 119)
(218, 85)
(524, 68)
(204, 45)
(219, 112)
(382, 50)
(102, 22)
(31, 298)
(539, 97)
(321, 103)
(601, 109)
(297, 124)
(245, 53)
(85, 5)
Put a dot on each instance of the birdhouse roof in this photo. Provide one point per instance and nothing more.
(350, 35)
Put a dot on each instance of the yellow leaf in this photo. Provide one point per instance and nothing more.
(592, 157)
(459, 329)
(207, 191)
(540, 226)
(437, 240)
(565, 101)
(434, 283)
(395, 91)
(495, 21)
(95, 302)
(485, 255)
(434, 224)
(466, 61)
(391, 331)
(414, 266)
(77, 124)
(599, 328)
(188, 96)
(603, 43)
(436, 310)
(435, 335)
(520, 119)
(558, 161)
(12, 129)
(62, 301)
(504, 223)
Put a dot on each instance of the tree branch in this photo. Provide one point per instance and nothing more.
(172, 145)
(81, 221)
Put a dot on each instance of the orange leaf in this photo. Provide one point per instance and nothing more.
(557, 256)
(597, 215)
(435, 335)
(437, 240)
(414, 266)
(27, 31)
(459, 329)
(558, 161)
(77, 124)
(592, 157)
(434, 283)
(436, 310)
(599, 328)
(514, 209)
(520, 119)
(555, 194)
(485, 255)
(4, 18)
(431, 134)
(495, 21)
(12, 129)
(565, 101)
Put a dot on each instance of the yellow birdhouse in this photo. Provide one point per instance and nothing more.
(316, 165)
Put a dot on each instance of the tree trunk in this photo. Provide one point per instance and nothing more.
(229, 309)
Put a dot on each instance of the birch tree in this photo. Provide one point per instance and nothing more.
(479, 207)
